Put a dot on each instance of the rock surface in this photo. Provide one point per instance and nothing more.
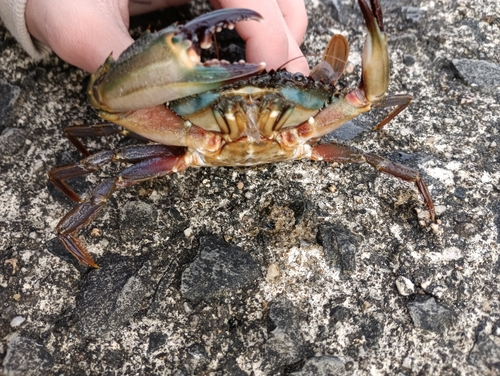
(478, 73)
(429, 315)
(8, 96)
(318, 251)
(25, 357)
(219, 270)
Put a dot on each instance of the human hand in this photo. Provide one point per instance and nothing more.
(84, 33)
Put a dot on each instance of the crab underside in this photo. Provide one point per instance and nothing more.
(221, 114)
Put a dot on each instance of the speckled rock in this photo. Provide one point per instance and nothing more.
(405, 286)
(412, 14)
(8, 96)
(111, 295)
(12, 140)
(348, 131)
(340, 246)
(324, 366)
(25, 357)
(480, 73)
(220, 269)
(285, 347)
(339, 314)
(135, 218)
(486, 352)
(427, 314)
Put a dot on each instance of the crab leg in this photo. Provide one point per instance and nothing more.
(400, 101)
(162, 125)
(129, 154)
(345, 154)
(74, 132)
(95, 200)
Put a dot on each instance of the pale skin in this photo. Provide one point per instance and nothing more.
(85, 32)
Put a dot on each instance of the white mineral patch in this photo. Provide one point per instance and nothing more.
(448, 254)
(454, 166)
(445, 176)
(273, 272)
(17, 321)
(405, 286)
(188, 232)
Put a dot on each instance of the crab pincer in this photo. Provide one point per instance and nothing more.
(165, 65)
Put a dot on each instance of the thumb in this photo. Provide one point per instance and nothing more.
(82, 33)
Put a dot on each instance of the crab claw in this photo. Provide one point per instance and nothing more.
(375, 79)
(200, 29)
(163, 66)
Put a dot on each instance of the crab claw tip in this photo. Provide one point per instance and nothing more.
(207, 24)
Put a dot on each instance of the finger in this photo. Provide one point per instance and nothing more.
(83, 33)
(295, 15)
(297, 61)
(140, 7)
(270, 41)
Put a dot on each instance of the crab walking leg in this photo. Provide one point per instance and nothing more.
(95, 200)
(400, 101)
(129, 154)
(345, 154)
(75, 132)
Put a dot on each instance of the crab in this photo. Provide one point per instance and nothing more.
(218, 113)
